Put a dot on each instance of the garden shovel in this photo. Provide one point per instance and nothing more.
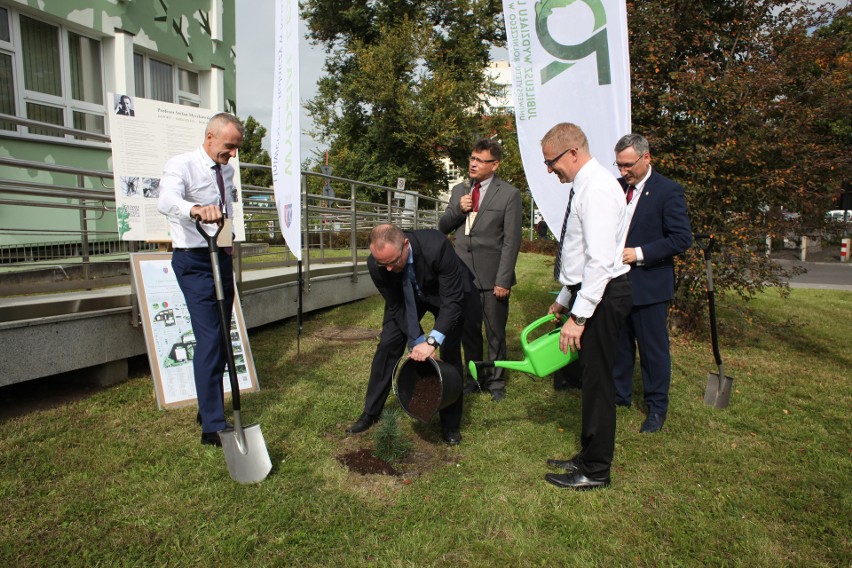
(718, 391)
(245, 450)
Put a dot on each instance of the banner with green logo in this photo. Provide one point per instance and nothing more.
(570, 63)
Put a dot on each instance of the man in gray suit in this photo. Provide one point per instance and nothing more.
(486, 217)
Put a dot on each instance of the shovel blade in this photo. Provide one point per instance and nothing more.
(718, 391)
(247, 458)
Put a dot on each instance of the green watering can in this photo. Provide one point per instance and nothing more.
(541, 357)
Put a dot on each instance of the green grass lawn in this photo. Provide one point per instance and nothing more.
(109, 480)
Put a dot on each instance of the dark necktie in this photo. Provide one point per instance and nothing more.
(221, 183)
(557, 265)
(475, 196)
(411, 319)
(630, 189)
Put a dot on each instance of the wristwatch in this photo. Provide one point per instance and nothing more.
(579, 320)
(433, 342)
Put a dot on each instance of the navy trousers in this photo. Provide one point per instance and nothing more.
(646, 328)
(195, 277)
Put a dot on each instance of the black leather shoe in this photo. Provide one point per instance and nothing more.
(653, 423)
(452, 437)
(570, 465)
(576, 481)
(497, 395)
(364, 422)
(472, 387)
(211, 439)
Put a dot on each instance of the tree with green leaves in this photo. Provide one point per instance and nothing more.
(404, 84)
(252, 152)
(742, 104)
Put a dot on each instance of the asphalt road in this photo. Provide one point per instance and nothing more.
(823, 275)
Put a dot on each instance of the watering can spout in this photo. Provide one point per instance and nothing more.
(524, 366)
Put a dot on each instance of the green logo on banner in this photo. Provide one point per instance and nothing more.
(568, 54)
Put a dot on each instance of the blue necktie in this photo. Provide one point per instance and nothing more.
(411, 319)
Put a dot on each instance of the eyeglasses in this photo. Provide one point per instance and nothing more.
(550, 163)
(481, 161)
(627, 166)
(393, 262)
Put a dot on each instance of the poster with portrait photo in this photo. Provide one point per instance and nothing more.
(145, 135)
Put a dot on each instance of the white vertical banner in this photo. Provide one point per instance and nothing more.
(286, 152)
(570, 63)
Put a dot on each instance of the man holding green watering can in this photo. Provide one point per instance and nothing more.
(595, 293)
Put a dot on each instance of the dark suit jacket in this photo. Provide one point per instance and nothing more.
(660, 226)
(443, 279)
(491, 249)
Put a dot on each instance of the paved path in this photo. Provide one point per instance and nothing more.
(822, 275)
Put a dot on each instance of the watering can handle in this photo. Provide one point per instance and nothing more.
(536, 324)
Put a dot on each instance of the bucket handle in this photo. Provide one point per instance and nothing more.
(536, 324)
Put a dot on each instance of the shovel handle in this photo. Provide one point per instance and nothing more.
(213, 247)
(706, 242)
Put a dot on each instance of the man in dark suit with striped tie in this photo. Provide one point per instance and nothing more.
(658, 230)
(416, 272)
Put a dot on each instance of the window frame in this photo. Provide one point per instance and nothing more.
(67, 105)
(179, 96)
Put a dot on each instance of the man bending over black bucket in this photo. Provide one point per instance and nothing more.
(415, 273)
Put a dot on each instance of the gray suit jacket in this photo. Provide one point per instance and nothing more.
(491, 249)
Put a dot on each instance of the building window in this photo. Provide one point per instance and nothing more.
(40, 47)
(156, 80)
(162, 81)
(85, 56)
(7, 91)
(139, 73)
(5, 35)
(53, 74)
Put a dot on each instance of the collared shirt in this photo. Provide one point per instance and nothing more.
(631, 209)
(594, 238)
(439, 337)
(189, 179)
(483, 187)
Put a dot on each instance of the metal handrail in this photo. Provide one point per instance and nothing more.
(54, 128)
(324, 216)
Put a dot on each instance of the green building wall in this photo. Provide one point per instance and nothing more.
(179, 31)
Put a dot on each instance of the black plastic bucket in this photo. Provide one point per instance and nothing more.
(425, 387)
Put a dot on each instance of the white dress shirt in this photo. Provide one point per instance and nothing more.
(189, 179)
(631, 209)
(594, 238)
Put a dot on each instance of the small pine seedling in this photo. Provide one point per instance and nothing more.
(392, 445)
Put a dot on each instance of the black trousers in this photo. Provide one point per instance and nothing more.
(392, 344)
(495, 315)
(597, 356)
